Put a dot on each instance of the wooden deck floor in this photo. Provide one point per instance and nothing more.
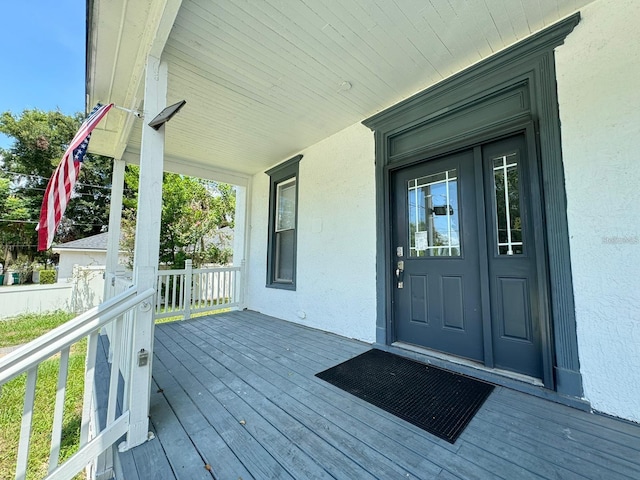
(237, 392)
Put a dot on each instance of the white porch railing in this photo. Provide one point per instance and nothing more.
(178, 293)
(192, 290)
(26, 360)
(122, 283)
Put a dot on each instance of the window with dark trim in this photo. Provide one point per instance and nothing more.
(283, 222)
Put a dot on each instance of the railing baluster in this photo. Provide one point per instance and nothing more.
(208, 295)
(232, 287)
(56, 431)
(159, 293)
(166, 292)
(25, 428)
(223, 280)
(105, 461)
(89, 375)
(212, 289)
(223, 287)
(196, 290)
(187, 289)
(126, 357)
(173, 293)
(236, 287)
(115, 373)
(183, 293)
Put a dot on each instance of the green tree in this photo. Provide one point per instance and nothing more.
(196, 218)
(14, 229)
(40, 140)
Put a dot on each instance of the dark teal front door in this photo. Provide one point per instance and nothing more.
(464, 267)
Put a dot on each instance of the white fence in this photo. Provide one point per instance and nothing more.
(77, 294)
(58, 342)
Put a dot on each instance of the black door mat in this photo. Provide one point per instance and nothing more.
(438, 401)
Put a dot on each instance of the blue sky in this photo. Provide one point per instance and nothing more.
(42, 58)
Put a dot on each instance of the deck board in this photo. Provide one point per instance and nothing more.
(283, 450)
(237, 391)
(288, 415)
(560, 445)
(185, 460)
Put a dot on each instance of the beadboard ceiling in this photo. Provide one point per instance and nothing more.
(264, 79)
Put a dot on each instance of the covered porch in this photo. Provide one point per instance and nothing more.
(234, 396)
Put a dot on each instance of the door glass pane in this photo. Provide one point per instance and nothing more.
(434, 227)
(507, 198)
(286, 205)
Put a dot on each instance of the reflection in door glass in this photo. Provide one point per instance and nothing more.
(507, 190)
(434, 228)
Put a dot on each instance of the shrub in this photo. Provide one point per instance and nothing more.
(47, 276)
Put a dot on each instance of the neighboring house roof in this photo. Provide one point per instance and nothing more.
(93, 243)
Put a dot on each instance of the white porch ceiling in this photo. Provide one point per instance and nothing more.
(264, 79)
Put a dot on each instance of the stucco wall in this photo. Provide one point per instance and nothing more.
(83, 258)
(598, 72)
(336, 239)
(598, 69)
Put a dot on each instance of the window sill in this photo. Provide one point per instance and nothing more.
(281, 286)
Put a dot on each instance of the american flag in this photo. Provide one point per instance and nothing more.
(61, 183)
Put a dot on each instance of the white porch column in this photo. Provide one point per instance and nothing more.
(147, 246)
(115, 217)
(241, 237)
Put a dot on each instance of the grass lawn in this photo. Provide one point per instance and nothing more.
(193, 315)
(21, 330)
(24, 328)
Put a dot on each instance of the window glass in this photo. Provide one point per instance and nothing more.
(507, 197)
(434, 226)
(284, 256)
(286, 205)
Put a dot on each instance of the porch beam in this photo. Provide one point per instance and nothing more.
(147, 247)
(154, 37)
(185, 166)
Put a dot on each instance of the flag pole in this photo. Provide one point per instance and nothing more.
(135, 113)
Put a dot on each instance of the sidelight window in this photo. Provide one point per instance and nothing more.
(507, 198)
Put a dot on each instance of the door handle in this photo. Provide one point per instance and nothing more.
(400, 274)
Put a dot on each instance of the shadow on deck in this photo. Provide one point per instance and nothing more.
(235, 397)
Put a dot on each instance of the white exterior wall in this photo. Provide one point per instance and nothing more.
(83, 258)
(598, 68)
(335, 284)
(598, 72)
